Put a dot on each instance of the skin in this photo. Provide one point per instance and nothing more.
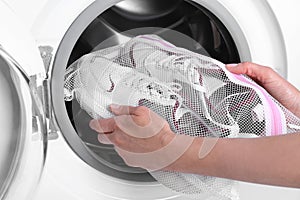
(273, 160)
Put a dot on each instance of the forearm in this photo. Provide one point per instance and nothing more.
(267, 160)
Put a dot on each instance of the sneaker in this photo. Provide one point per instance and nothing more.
(158, 58)
(99, 82)
(99, 79)
(185, 71)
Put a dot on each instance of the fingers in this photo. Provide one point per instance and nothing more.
(257, 72)
(247, 68)
(105, 128)
(128, 117)
(104, 138)
(287, 94)
(235, 68)
(103, 125)
(137, 122)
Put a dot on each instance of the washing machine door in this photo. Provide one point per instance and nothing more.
(22, 123)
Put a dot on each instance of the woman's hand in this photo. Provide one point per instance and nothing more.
(278, 87)
(141, 137)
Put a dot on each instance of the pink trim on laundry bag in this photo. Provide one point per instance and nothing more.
(274, 114)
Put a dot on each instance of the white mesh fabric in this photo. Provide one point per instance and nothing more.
(194, 93)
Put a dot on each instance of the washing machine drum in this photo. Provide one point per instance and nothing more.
(194, 93)
(181, 23)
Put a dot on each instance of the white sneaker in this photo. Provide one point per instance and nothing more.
(178, 67)
(100, 82)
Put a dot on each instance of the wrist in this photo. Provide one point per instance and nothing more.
(189, 161)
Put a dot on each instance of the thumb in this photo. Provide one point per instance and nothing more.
(259, 73)
(236, 68)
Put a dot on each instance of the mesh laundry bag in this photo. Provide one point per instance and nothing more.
(194, 93)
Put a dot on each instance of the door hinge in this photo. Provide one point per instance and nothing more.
(41, 86)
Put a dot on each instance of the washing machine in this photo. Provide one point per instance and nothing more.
(48, 151)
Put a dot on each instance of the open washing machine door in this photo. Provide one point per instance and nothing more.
(23, 126)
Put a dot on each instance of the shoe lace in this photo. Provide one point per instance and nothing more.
(183, 65)
(151, 87)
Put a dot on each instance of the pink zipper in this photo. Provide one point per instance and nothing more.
(274, 115)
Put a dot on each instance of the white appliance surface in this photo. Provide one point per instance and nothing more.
(65, 175)
(287, 15)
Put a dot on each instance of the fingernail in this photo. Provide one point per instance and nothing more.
(94, 124)
(114, 106)
(232, 65)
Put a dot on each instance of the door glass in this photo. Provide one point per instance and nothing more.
(22, 143)
(11, 133)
